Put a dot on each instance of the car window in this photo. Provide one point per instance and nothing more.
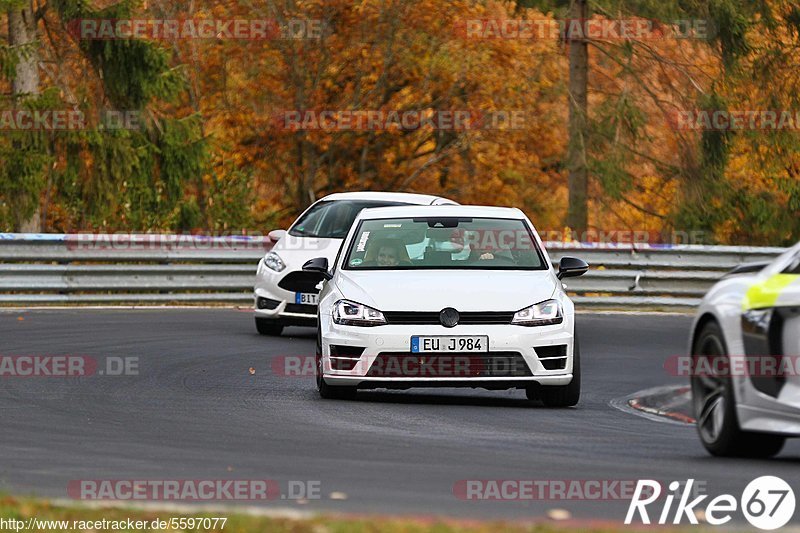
(443, 243)
(332, 219)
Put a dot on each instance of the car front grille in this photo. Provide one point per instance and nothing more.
(432, 317)
(304, 309)
(267, 303)
(345, 357)
(449, 365)
(301, 282)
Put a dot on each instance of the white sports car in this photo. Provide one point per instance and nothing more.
(453, 296)
(745, 345)
(285, 295)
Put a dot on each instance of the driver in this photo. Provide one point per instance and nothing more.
(478, 250)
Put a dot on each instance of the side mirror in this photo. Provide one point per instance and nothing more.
(318, 265)
(572, 267)
(276, 234)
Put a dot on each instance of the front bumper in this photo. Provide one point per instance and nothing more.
(270, 301)
(394, 341)
(282, 313)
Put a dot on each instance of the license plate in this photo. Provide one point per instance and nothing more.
(444, 344)
(308, 298)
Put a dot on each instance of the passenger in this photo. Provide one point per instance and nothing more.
(387, 253)
(387, 256)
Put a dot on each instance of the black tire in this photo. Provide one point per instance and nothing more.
(714, 405)
(266, 326)
(563, 395)
(329, 392)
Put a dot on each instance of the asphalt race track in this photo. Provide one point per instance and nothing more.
(195, 411)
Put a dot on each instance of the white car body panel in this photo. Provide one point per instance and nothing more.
(296, 250)
(433, 290)
(516, 290)
(756, 410)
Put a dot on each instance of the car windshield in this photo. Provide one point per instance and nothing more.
(332, 219)
(443, 243)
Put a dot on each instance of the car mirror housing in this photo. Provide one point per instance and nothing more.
(572, 267)
(318, 265)
(276, 234)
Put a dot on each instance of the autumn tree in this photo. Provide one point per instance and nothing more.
(112, 178)
(383, 56)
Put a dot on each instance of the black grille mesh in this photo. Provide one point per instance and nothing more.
(449, 365)
(432, 317)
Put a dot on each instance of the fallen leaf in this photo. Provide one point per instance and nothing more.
(559, 514)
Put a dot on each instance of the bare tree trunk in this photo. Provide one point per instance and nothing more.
(577, 216)
(22, 34)
(194, 99)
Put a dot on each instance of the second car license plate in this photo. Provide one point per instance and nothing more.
(444, 344)
(306, 298)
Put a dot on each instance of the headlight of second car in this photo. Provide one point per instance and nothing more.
(349, 313)
(274, 262)
(542, 314)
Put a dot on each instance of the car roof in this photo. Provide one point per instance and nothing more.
(406, 197)
(475, 211)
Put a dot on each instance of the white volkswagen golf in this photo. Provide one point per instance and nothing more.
(284, 295)
(453, 296)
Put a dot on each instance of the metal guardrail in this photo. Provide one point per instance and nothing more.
(45, 269)
(652, 276)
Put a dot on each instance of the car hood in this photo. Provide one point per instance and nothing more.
(295, 251)
(433, 290)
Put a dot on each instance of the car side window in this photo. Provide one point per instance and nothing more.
(338, 219)
(309, 224)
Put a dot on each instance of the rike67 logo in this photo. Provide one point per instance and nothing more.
(767, 503)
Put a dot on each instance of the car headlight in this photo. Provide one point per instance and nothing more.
(350, 313)
(274, 262)
(541, 314)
